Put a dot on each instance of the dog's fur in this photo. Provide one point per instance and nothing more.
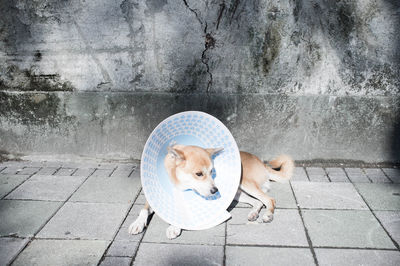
(189, 167)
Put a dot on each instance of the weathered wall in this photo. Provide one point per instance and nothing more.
(315, 79)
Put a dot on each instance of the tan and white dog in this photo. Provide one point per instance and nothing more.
(189, 167)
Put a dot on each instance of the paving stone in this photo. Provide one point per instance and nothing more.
(336, 174)
(9, 182)
(236, 256)
(108, 189)
(283, 195)
(393, 174)
(317, 174)
(123, 248)
(62, 252)
(357, 175)
(314, 195)
(299, 174)
(123, 234)
(124, 170)
(121, 173)
(156, 232)
(102, 172)
(47, 170)
(177, 254)
(24, 218)
(286, 229)
(391, 221)
(10, 247)
(11, 170)
(86, 221)
(342, 257)
(341, 228)
(141, 199)
(83, 172)
(116, 261)
(65, 171)
(376, 175)
(42, 187)
(28, 170)
(381, 196)
(135, 174)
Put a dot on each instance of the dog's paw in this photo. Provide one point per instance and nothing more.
(137, 227)
(252, 216)
(268, 216)
(173, 232)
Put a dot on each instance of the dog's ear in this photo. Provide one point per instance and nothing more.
(176, 153)
(213, 151)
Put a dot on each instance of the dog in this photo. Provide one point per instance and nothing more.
(190, 167)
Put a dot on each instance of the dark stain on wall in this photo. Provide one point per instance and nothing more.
(270, 48)
(34, 109)
(26, 80)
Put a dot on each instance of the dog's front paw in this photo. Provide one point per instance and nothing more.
(252, 216)
(137, 227)
(268, 216)
(173, 232)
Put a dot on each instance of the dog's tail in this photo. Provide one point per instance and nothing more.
(285, 165)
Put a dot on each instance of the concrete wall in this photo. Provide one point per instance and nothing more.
(315, 79)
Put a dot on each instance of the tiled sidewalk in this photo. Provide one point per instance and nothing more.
(79, 213)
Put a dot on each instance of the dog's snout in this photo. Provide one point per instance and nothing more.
(214, 190)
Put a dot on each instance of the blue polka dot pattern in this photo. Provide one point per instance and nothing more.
(190, 210)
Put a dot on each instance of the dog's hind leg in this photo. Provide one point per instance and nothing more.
(255, 191)
(257, 205)
(141, 222)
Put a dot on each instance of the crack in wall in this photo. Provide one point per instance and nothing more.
(209, 43)
(194, 11)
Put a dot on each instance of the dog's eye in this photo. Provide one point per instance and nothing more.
(199, 174)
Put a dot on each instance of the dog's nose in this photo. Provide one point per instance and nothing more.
(214, 190)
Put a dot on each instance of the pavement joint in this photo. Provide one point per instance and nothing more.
(380, 223)
(120, 226)
(327, 175)
(226, 233)
(370, 180)
(387, 176)
(142, 236)
(305, 228)
(305, 170)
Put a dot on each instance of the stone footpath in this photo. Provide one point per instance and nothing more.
(59, 213)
